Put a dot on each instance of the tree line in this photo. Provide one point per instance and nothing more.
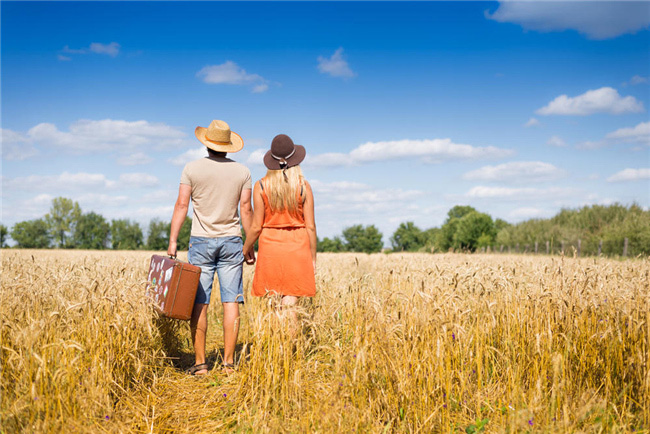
(67, 227)
(591, 229)
(599, 229)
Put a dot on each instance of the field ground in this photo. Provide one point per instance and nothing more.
(391, 343)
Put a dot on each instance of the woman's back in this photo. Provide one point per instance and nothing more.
(281, 218)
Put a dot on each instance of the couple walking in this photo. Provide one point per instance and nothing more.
(282, 219)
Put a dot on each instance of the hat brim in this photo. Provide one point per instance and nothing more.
(236, 142)
(294, 160)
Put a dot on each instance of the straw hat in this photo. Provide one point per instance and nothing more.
(284, 153)
(219, 138)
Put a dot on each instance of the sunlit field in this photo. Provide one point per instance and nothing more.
(391, 343)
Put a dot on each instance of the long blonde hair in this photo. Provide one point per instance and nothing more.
(284, 192)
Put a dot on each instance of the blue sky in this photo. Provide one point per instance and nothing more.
(406, 109)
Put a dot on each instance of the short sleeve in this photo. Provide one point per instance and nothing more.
(247, 181)
(185, 176)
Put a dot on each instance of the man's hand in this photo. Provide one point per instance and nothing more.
(171, 250)
(249, 257)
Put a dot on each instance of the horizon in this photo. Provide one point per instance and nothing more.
(511, 108)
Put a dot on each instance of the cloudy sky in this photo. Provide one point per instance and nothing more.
(516, 108)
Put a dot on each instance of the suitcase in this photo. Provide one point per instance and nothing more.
(172, 286)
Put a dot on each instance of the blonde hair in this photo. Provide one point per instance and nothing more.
(283, 191)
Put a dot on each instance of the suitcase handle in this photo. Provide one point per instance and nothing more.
(172, 256)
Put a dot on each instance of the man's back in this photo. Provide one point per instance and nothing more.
(217, 183)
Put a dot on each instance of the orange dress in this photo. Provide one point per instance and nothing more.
(284, 264)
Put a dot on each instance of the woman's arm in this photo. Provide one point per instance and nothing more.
(258, 219)
(310, 221)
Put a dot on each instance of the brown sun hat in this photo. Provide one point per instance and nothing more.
(219, 138)
(284, 153)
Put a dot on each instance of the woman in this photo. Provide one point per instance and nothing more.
(283, 220)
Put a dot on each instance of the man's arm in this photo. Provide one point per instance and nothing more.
(246, 209)
(255, 228)
(180, 212)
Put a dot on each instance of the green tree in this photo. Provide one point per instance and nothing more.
(430, 237)
(126, 235)
(3, 235)
(183, 242)
(407, 237)
(330, 245)
(91, 232)
(363, 239)
(158, 237)
(32, 234)
(445, 237)
(61, 220)
(474, 229)
(500, 224)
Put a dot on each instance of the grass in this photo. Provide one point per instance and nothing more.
(391, 343)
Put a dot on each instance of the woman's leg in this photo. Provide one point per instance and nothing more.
(288, 308)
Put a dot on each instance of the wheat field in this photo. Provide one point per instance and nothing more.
(391, 343)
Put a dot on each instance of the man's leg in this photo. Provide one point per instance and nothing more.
(230, 331)
(199, 328)
(230, 259)
(201, 254)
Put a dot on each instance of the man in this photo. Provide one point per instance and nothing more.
(216, 185)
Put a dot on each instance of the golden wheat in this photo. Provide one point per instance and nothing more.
(391, 343)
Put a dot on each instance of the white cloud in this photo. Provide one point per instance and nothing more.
(231, 73)
(187, 156)
(352, 197)
(556, 141)
(63, 58)
(137, 180)
(630, 175)
(637, 79)
(519, 193)
(427, 151)
(94, 201)
(65, 181)
(112, 49)
(69, 50)
(336, 65)
(532, 122)
(519, 171)
(81, 181)
(146, 213)
(260, 88)
(135, 159)
(89, 136)
(433, 150)
(526, 213)
(329, 159)
(637, 134)
(603, 100)
(16, 146)
(601, 20)
(256, 158)
(159, 196)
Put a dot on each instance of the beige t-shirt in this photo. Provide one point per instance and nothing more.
(217, 183)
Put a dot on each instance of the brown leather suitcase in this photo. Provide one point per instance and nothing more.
(172, 285)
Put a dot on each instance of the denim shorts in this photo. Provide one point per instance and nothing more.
(225, 255)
